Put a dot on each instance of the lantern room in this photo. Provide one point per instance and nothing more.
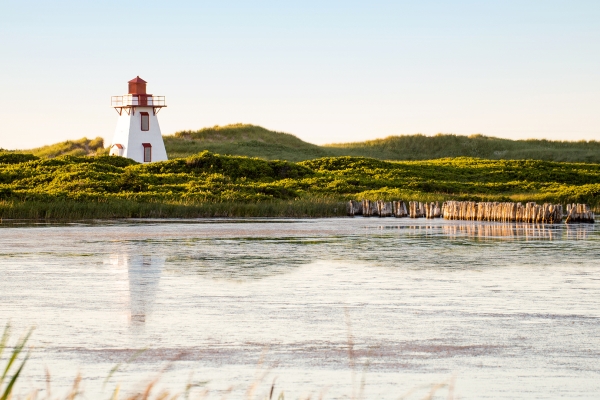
(137, 97)
(137, 86)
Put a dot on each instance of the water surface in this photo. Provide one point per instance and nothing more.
(503, 310)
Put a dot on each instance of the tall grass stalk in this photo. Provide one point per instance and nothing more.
(74, 210)
(14, 364)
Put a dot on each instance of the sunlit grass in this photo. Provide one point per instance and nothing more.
(80, 147)
(213, 185)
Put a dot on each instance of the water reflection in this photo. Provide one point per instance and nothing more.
(504, 230)
(517, 231)
(143, 276)
(497, 230)
(232, 258)
(245, 258)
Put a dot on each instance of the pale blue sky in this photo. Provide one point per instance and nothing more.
(324, 71)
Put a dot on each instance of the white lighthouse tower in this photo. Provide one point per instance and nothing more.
(138, 134)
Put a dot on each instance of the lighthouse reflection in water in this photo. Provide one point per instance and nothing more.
(142, 273)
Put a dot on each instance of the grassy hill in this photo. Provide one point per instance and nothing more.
(81, 147)
(255, 141)
(243, 140)
(421, 147)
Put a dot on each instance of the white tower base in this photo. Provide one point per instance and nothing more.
(132, 142)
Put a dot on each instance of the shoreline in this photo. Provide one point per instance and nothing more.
(70, 210)
(121, 209)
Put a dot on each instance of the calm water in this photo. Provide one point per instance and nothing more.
(502, 310)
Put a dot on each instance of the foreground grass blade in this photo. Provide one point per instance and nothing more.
(5, 393)
(4, 340)
(10, 385)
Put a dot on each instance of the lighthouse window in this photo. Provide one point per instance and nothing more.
(147, 152)
(145, 121)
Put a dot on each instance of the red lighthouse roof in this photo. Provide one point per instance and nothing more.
(137, 97)
(137, 86)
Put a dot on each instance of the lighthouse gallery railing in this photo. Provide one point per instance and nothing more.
(138, 100)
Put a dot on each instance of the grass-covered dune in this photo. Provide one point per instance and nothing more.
(421, 147)
(81, 147)
(255, 141)
(243, 140)
(207, 184)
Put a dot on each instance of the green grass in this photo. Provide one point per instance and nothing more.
(420, 147)
(211, 185)
(243, 140)
(81, 147)
(255, 141)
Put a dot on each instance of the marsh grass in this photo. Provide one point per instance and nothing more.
(77, 210)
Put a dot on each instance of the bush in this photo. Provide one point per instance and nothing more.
(16, 158)
(211, 178)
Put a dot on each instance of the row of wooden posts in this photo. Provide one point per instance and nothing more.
(474, 211)
(504, 212)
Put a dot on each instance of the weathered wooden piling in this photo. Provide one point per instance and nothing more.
(416, 209)
(432, 210)
(399, 208)
(503, 212)
(579, 213)
(354, 207)
(370, 208)
(384, 208)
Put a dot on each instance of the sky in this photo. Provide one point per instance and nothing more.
(325, 71)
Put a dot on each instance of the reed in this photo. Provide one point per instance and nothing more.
(110, 209)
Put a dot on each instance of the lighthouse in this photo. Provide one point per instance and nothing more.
(138, 134)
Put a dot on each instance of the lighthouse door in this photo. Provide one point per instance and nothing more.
(147, 152)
